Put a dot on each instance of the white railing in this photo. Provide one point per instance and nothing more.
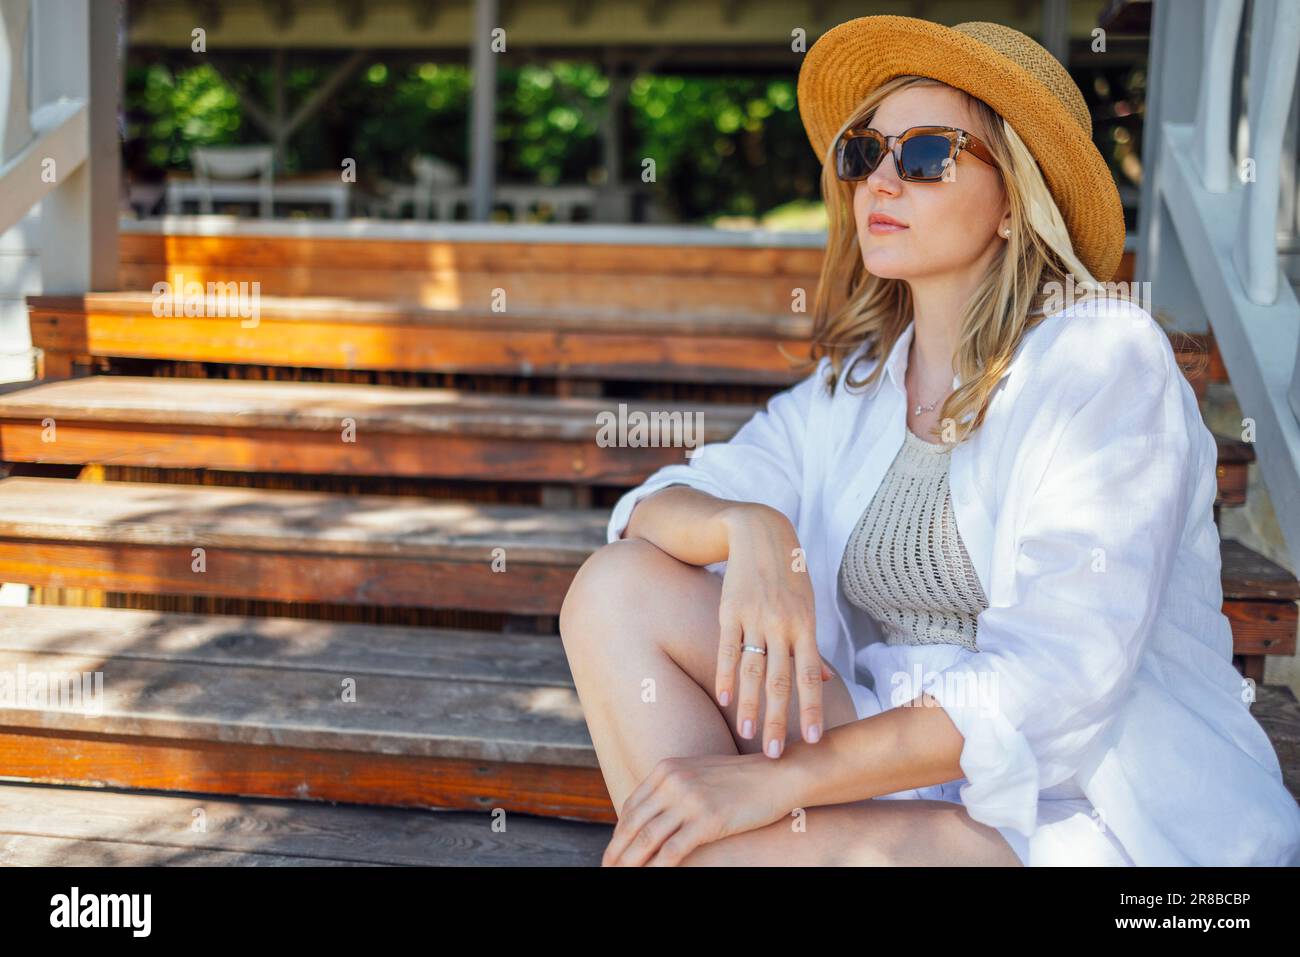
(59, 158)
(1221, 165)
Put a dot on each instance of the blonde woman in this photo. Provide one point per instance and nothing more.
(965, 607)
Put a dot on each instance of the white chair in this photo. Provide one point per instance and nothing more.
(235, 163)
(436, 183)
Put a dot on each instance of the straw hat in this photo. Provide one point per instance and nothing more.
(1019, 79)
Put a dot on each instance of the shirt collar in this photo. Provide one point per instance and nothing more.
(896, 364)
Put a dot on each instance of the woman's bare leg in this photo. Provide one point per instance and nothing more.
(640, 629)
(641, 632)
(872, 833)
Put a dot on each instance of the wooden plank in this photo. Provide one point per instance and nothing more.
(58, 826)
(329, 428)
(610, 351)
(1232, 470)
(1262, 627)
(370, 549)
(1250, 666)
(292, 546)
(448, 654)
(297, 427)
(490, 722)
(1249, 575)
(467, 584)
(434, 718)
(320, 406)
(29, 850)
(1234, 451)
(678, 295)
(356, 310)
(317, 254)
(131, 513)
(267, 770)
(588, 340)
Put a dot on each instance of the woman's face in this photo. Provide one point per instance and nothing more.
(951, 227)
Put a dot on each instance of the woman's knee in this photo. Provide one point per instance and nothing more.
(612, 583)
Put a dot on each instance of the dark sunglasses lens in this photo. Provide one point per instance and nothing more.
(924, 155)
(858, 156)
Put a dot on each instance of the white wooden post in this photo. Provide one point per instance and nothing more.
(1214, 106)
(17, 132)
(75, 43)
(482, 151)
(1274, 56)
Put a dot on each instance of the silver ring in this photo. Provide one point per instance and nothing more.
(745, 648)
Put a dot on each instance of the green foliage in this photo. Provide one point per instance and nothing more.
(720, 145)
(548, 124)
(171, 112)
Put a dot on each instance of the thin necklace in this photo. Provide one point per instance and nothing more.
(926, 408)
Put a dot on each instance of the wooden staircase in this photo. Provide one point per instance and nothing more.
(338, 540)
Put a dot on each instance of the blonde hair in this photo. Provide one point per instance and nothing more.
(852, 305)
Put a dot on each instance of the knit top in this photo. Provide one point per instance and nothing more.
(905, 563)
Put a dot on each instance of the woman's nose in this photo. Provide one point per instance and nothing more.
(884, 178)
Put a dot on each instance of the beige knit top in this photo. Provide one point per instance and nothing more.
(905, 563)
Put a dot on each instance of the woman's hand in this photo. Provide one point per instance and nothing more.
(686, 802)
(767, 601)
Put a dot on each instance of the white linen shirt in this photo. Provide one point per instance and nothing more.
(1085, 500)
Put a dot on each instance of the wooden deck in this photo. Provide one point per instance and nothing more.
(65, 826)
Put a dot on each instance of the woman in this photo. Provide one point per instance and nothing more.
(969, 609)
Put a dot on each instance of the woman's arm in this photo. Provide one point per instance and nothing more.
(689, 801)
(912, 746)
(762, 463)
(690, 525)
(766, 600)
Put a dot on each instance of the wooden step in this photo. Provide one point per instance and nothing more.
(396, 550)
(259, 706)
(691, 270)
(216, 705)
(1259, 599)
(346, 334)
(1232, 471)
(302, 427)
(640, 341)
(293, 546)
(298, 427)
(77, 827)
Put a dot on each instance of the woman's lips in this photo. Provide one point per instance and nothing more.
(880, 229)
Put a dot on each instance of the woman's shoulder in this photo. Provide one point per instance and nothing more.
(1105, 339)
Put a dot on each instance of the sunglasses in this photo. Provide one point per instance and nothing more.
(922, 154)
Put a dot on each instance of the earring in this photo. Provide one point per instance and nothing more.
(1006, 234)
